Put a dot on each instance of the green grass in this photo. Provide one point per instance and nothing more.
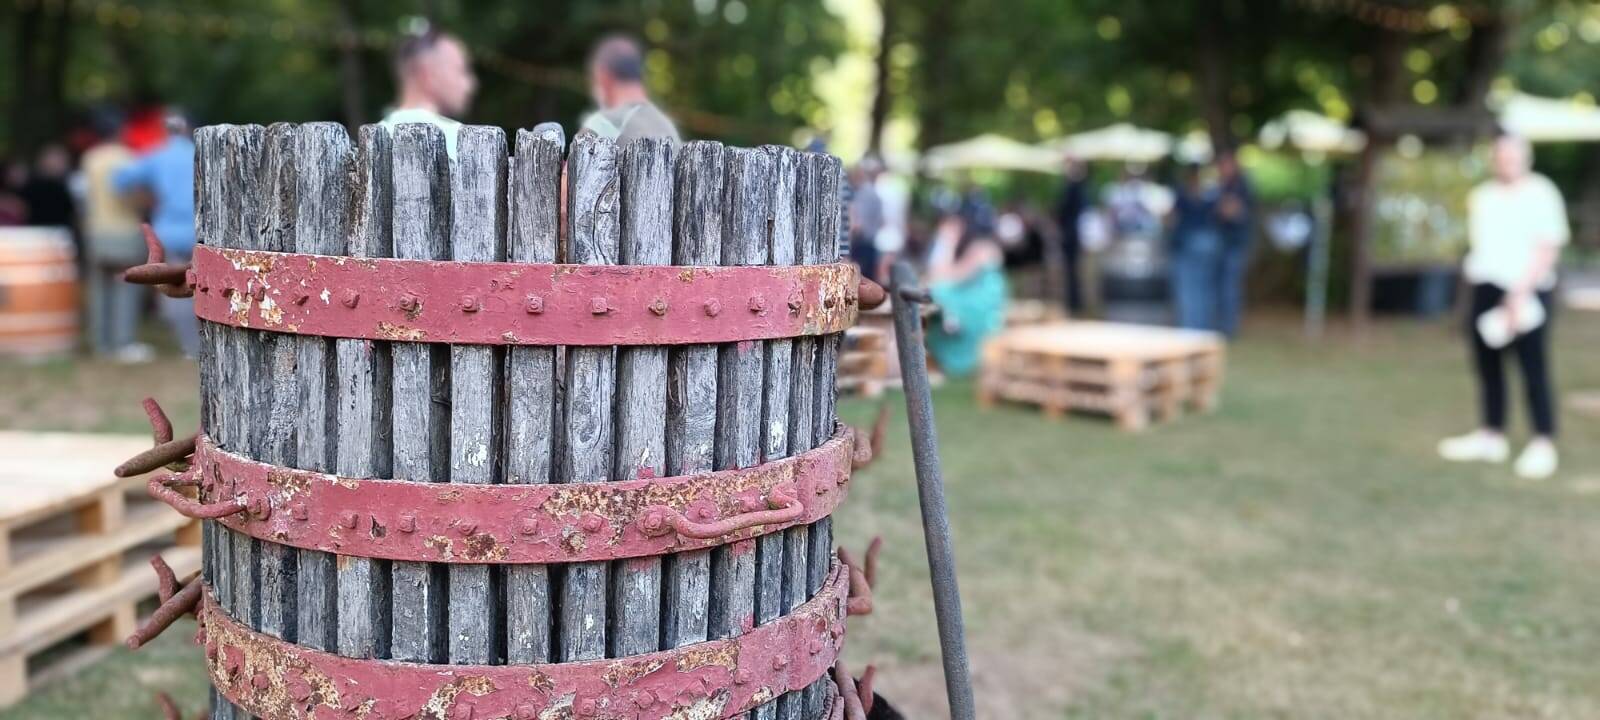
(1298, 554)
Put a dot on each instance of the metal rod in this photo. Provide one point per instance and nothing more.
(930, 489)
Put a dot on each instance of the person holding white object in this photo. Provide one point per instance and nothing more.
(1517, 223)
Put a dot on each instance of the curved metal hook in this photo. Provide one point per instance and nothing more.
(783, 501)
(161, 487)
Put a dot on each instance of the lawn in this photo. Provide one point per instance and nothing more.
(1300, 553)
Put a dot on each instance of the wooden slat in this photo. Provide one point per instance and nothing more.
(364, 402)
(46, 559)
(699, 178)
(585, 444)
(49, 622)
(531, 403)
(646, 239)
(421, 217)
(477, 234)
(275, 388)
(827, 184)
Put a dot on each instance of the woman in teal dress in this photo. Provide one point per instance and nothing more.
(967, 280)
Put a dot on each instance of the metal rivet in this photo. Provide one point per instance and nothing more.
(830, 301)
(586, 707)
(260, 293)
(530, 526)
(794, 303)
(750, 504)
(526, 712)
(779, 662)
(743, 677)
(462, 711)
(815, 647)
(467, 527)
(301, 693)
(702, 512)
(351, 299)
(410, 303)
(300, 298)
(406, 523)
(260, 681)
(301, 512)
(713, 307)
(349, 519)
(598, 306)
(260, 508)
(227, 292)
(758, 304)
(644, 699)
(592, 523)
(659, 307)
(469, 303)
(533, 304)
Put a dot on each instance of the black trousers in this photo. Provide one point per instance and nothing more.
(1533, 355)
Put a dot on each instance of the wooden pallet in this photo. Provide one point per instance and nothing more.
(1024, 312)
(864, 363)
(1130, 372)
(75, 544)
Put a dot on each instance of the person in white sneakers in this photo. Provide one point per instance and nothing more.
(1516, 224)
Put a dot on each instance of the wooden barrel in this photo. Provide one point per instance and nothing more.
(524, 414)
(38, 292)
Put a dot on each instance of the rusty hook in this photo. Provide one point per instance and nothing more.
(783, 501)
(160, 425)
(175, 606)
(862, 577)
(160, 488)
(869, 444)
(166, 580)
(864, 688)
(870, 294)
(172, 279)
(849, 693)
(167, 453)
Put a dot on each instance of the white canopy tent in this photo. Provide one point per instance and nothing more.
(991, 152)
(1312, 132)
(1122, 141)
(1550, 119)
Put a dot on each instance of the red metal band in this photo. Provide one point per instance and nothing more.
(274, 679)
(520, 303)
(579, 522)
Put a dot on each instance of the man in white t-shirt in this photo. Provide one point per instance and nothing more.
(436, 82)
(1517, 223)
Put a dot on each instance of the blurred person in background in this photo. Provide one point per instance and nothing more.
(1075, 194)
(165, 179)
(866, 217)
(1196, 249)
(624, 110)
(967, 280)
(1516, 225)
(13, 210)
(434, 74)
(1236, 206)
(894, 197)
(113, 244)
(49, 199)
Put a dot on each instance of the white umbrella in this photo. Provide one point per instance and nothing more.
(991, 152)
(1550, 119)
(1122, 141)
(1306, 130)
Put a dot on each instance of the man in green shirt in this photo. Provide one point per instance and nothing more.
(616, 80)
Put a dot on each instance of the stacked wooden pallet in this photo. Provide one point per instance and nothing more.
(1131, 372)
(75, 544)
(864, 361)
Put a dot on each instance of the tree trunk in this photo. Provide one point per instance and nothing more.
(880, 96)
(1214, 79)
(351, 82)
(935, 47)
(1388, 47)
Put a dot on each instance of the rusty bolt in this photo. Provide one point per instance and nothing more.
(469, 303)
(227, 292)
(794, 303)
(462, 711)
(301, 297)
(713, 307)
(597, 306)
(351, 299)
(758, 304)
(260, 293)
(410, 303)
(593, 523)
(644, 699)
(586, 707)
(815, 646)
(533, 304)
(702, 512)
(301, 512)
(467, 527)
(260, 681)
(779, 662)
(659, 306)
(526, 712)
(654, 522)
(300, 692)
(830, 301)
(406, 523)
(530, 526)
(743, 677)
(260, 508)
(822, 489)
(349, 519)
(750, 504)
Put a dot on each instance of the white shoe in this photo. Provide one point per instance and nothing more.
(134, 354)
(1538, 460)
(1475, 446)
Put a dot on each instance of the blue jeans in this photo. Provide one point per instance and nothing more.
(1230, 299)
(179, 314)
(1196, 279)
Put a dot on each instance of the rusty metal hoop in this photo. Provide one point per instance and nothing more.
(484, 303)
(721, 678)
(509, 524)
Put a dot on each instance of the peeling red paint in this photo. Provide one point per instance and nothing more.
(578, 522)
(521, 304)
(268, 677)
